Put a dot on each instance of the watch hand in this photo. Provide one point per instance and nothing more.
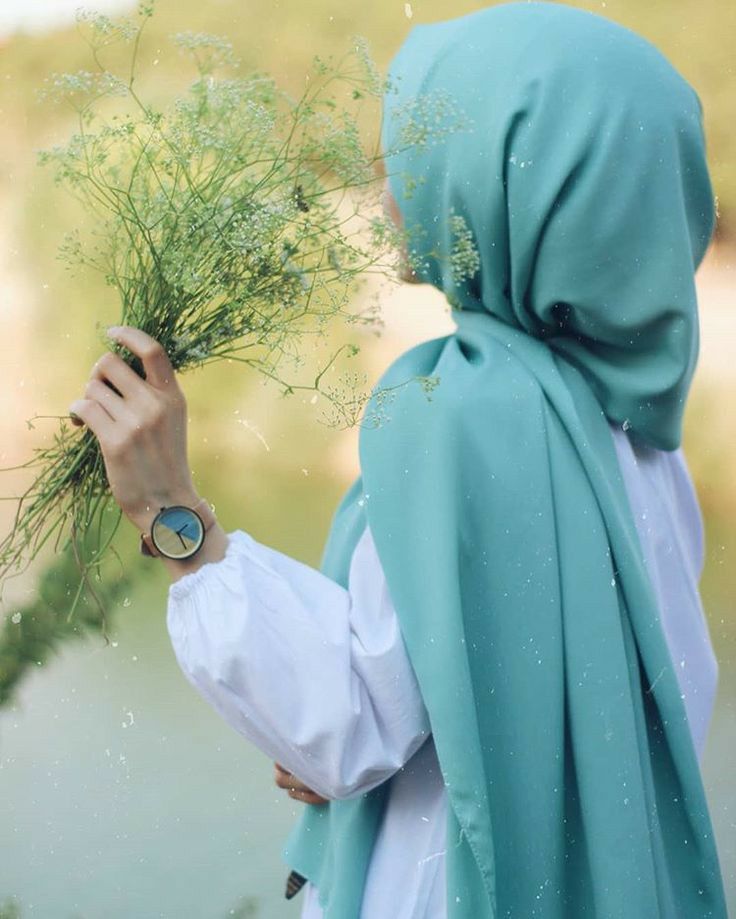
(180, 537)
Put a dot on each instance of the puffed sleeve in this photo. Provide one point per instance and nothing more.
(316, 676)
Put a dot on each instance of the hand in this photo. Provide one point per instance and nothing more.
(297, 790)
(141, 428)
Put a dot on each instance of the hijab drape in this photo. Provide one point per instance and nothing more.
(496, 504)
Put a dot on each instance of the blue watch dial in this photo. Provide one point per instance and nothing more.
(177, 532)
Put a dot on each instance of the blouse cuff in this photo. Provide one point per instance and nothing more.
(226, 567)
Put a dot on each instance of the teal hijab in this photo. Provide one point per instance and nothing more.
(496, 502)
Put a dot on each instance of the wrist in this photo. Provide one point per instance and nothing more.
(213, 550)
(143, 518)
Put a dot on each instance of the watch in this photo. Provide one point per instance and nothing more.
(178, 531)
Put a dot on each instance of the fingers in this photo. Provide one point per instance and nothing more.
(288, 780)
(307, 797)
(295, 788)
(156, 364)
(125, 380)
(123, 394)
(94, 416)
(113, 404)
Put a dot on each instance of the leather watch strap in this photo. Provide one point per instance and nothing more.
(202, 507)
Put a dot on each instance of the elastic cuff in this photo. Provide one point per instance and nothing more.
(237, 541)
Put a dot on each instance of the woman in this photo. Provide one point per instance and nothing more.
(496, 689)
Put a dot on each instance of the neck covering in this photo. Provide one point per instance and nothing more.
(496, 502)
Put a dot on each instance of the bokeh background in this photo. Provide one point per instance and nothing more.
(123, 793)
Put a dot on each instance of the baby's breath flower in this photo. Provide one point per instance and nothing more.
(372, 80)
(208, 51)
(427, 119)
(464, 256)
(83, 83)
(106, 31)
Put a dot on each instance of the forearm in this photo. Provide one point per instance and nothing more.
(269, 643)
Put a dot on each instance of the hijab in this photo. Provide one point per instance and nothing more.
(496, 502)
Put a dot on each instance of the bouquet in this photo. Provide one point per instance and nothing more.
(232, 223)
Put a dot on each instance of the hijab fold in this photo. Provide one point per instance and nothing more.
(496, 502)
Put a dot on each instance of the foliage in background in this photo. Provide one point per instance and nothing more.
(9, 909)
(36, 630)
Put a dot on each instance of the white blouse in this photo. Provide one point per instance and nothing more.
(318, 677)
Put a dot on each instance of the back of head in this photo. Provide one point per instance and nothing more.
(581, 172)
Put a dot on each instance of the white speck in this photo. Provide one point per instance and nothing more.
(305, 471)
(126, 601)
(314, 398)
(429, 858)
(656, 680)
(16, 618)
(626, 425)
(408, 11)
(254, 429)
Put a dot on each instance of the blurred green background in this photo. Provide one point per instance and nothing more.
(123, 794)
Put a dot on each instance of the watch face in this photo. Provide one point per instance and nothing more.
(177, 532)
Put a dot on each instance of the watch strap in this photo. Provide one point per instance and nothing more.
(202, 508)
